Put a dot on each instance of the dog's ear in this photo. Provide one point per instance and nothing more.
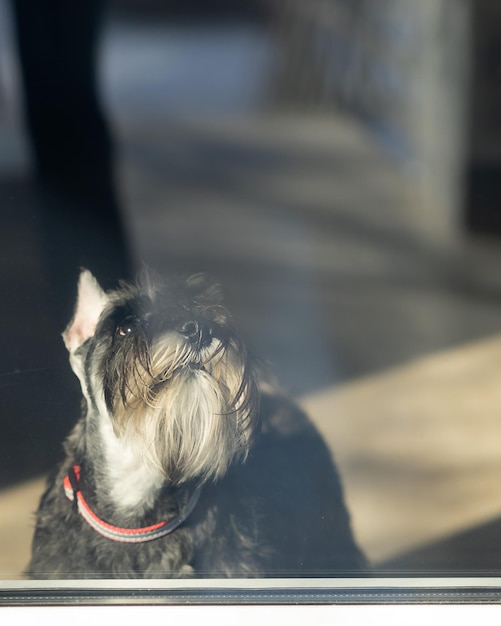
(91, 300)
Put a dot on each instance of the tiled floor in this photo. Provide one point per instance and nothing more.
(386, 329)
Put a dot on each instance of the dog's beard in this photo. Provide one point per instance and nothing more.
(188, 411)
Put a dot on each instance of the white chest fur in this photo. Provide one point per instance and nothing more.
(133, 482)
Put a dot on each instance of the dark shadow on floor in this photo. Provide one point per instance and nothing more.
(39, 394)
(474, 552)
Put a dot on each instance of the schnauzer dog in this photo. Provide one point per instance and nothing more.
(181, 464)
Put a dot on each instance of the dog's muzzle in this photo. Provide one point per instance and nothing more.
(198, 334)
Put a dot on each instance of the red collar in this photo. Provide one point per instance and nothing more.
(127, 535)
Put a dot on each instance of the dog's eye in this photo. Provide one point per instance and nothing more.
(125, 329)
(128, 326)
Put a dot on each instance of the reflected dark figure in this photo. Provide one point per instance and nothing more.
(72, 148)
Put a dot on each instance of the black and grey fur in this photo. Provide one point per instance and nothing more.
(171, 402)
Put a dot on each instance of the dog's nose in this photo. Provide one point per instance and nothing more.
(198, 334)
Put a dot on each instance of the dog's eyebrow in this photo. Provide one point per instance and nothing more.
(136, 307)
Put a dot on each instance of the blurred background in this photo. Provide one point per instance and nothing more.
(336, 164)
